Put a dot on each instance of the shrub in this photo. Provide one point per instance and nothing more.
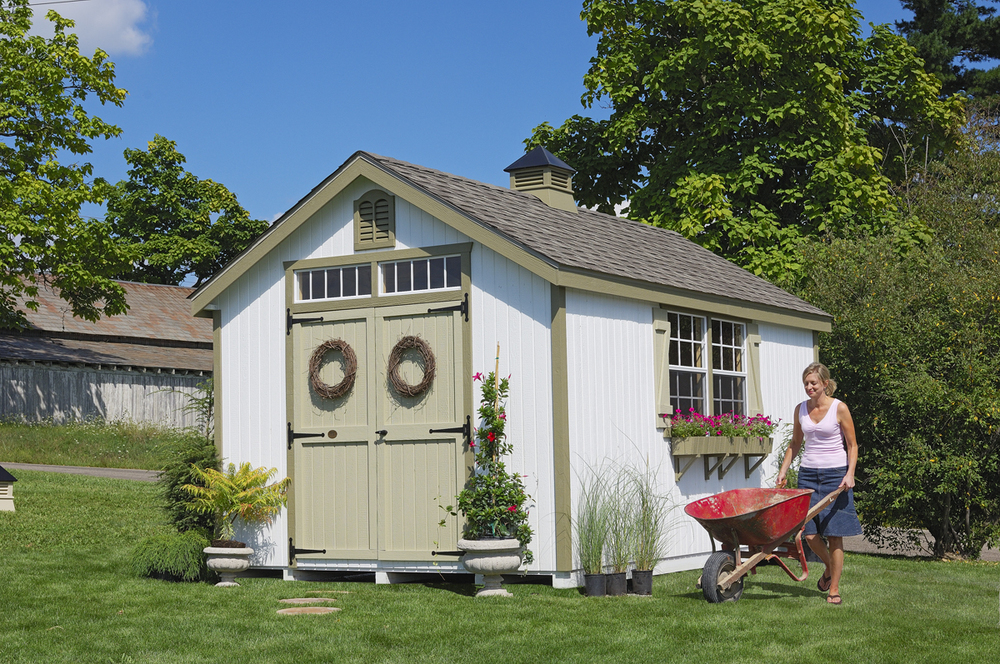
(173, 556)
(177, 471)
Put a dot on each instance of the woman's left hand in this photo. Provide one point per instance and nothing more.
(848, 481)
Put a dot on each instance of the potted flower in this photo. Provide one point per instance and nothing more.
(493, 501)
(236, 493)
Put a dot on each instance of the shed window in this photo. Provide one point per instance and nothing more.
(333, 283)
(697, 359)
(374, 221)
(422, 274)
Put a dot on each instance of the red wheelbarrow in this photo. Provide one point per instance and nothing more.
(754, 526)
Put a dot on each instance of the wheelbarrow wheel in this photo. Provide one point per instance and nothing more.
(718, 564)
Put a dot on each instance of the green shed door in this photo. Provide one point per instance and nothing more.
(333, 479)
(375, 488)
(418, 471)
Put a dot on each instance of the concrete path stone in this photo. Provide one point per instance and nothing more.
(307, 610)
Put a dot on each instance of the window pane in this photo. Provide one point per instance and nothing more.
(318, 284)
(687, 391)
(420, 275)
(437, 273)
(716, 357)
(304, 290)
(738, 360)
(729, 393)
(364, 280)
(350, 275)
(403, 276)
(686, 359)
(333, 282)
(685, 331)
(675, 352)
(453, 265)
(389, 277)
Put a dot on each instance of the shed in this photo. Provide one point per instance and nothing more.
(139, 366)
(6, 490)
(605, 325)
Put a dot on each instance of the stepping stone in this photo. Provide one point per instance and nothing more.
(307, 600)
(307, 610)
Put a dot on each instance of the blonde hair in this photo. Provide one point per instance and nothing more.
(824, 375)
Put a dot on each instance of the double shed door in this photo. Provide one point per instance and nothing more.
(371, 487)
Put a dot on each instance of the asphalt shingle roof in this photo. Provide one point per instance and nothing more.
(593, 241)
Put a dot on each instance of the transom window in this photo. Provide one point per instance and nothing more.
(421, 274)
(690, 370)
(333, 283)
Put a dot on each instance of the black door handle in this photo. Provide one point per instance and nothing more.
(381, 432)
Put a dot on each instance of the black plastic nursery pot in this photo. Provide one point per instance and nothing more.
(642, 582)
(595, 585)
(617, 584)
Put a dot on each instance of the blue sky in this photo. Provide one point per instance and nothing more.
(269, 98)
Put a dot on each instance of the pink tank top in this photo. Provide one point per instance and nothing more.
(823, 441)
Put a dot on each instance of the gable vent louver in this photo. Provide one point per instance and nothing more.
(374, 221)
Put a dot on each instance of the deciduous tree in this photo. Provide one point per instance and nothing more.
(44, 128)
(176, 225)
(747, 125)
(916, 349)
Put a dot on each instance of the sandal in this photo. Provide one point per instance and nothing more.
(824, 583)
(834, 599)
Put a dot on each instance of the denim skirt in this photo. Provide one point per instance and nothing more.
(836, 520)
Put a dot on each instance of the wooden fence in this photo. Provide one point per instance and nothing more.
(35, 391)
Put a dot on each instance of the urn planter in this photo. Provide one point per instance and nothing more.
(227, 563)
(492, 558)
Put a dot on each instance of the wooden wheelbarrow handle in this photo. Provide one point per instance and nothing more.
(821, 505)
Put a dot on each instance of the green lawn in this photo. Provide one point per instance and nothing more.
(65, 598)
(90, 443)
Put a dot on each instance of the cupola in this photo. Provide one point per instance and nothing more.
(546, 176)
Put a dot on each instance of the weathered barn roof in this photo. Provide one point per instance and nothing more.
(577, 249)
(157, 332)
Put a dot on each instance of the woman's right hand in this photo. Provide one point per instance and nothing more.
(780, 484)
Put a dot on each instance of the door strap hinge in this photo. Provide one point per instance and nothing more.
(447, 553)
(465, 430)
(292, 435)
(463, 308)
(289, 321)
(293, 550)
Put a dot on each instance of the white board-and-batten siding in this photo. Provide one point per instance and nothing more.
(37, 391)
(509, 306)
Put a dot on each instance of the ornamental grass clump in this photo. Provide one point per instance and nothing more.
(493, 501)
(237, 493)
(591, 524)
(726, 424)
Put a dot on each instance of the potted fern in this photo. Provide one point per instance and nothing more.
(493, 500)
(238, 493)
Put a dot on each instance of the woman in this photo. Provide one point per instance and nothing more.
(831, 453)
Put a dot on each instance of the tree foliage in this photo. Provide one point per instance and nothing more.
(176, 224)
(747, 125)
(949, 35)
(916, 349)
(44, 86)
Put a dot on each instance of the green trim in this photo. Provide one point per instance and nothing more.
(217, 378)
(755, 402)
(359, 166)
(372, 196)
(561, 461)
(816, 344)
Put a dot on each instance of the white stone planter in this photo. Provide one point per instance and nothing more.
(492, 558)
(227, 563)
